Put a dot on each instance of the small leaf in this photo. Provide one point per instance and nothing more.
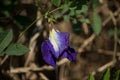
(67, 1)
(74, 21)
(56, 2)
(111, 33)
(5, 39)
(95, 3)
(1, 29)
(91, 77)
(106, 76)
(72, 12)
(78, 12)
(84, 9)
(85, 20)
(117, 75)
(66, 17)
(65, 8)
(96, 23)
(58, 15)
(16, 49)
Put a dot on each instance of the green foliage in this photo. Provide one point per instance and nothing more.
(96, 23)
(85, 20)
(5, 39)
(91, 77)
(7, 6)
(69, 10)
(65, 8)
(66, 17)
(95, 3)
(16, 49)
(72, 13)
(76, 28)
(79, 3)
(84, 9)
(56, 2)
(56, 16)
(117, 75)
(111, 32)
(106, 75)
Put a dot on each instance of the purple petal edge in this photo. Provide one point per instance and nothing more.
(47, 54)
(71, 54)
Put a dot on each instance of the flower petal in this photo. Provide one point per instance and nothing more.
(47, 54)
(64, 55)
(71, 54)
(59, 40)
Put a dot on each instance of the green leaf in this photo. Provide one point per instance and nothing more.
(56, 2)
(96, 23)
(1, 29)
(78, 12)
(16, 49)
(65, 8)
(85, 20)
(74, 21)
(5, 39)
(91, 77)
(117, 75)
(79, 3)
(111, 32)
(84, 9)
(58, 15)
(66, 17)
(67, 1)
(106, 75)
(95, 3)
(72, 13)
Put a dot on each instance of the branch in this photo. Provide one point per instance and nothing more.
(36, 69)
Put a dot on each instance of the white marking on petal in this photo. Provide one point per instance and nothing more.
(53, 36)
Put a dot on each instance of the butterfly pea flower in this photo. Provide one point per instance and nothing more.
(57, 46)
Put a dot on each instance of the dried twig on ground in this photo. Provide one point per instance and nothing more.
(27, 69)
(102, 68)
(32, 47)
(107, 52)
(109, 18)
(86, 42)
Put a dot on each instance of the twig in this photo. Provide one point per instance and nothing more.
(86, 42)
(27, 69)
(21, 34)
(107, 52)
(43, 76)
(109, 18)
(103, 67)
(54, 10)
(115, 37)
(32, 48)
(4, 59)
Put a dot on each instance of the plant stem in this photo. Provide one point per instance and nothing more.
(21, 34)
(54, 10)
(57, 73)
(115, 45)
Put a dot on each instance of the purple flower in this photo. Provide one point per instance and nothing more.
(57, 46)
